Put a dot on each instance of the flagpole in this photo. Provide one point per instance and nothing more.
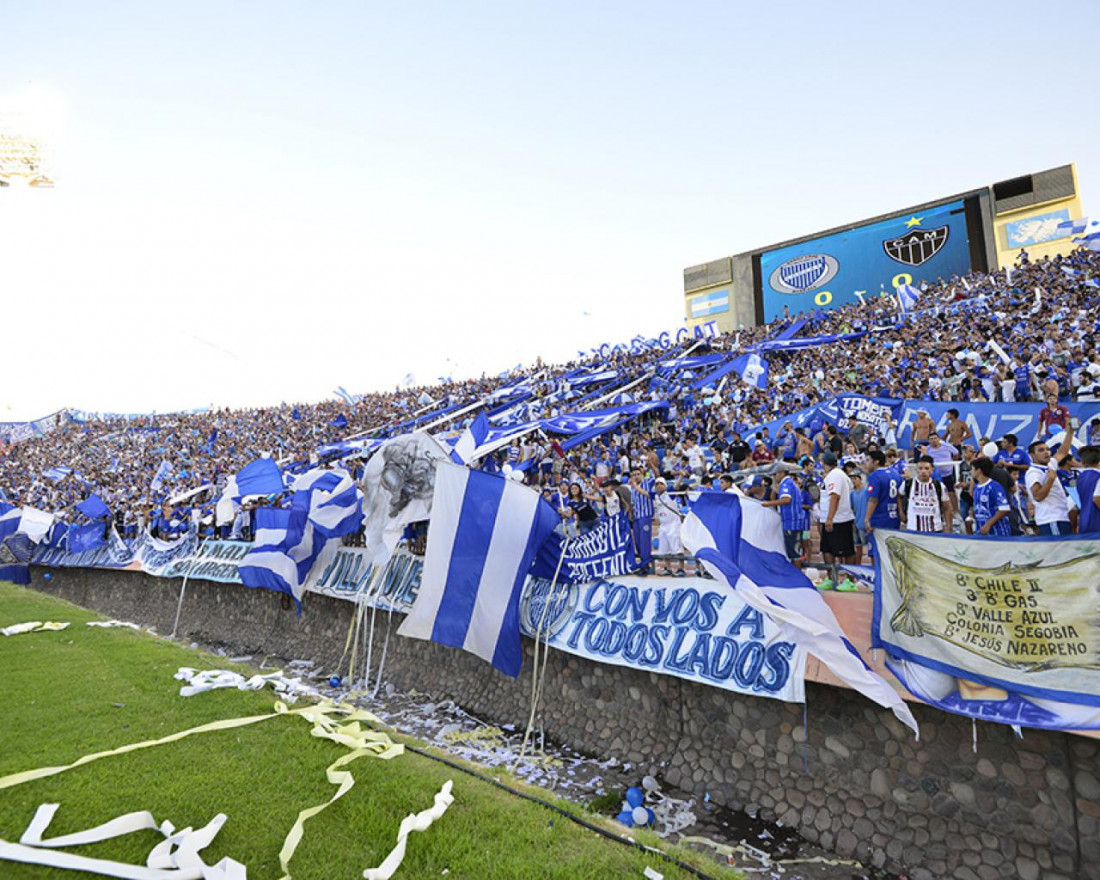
(183, 588)
(536, 688)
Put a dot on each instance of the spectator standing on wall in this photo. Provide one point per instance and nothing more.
(922, 427)
(924, 507)
(957, 431)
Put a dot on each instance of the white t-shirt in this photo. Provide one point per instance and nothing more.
(1053, 508)
(837, 483)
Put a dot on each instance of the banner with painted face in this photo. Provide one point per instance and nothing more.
(1004, 630)
(699, 632)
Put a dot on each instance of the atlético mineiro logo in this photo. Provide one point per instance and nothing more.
(804, 273)
(916, 246)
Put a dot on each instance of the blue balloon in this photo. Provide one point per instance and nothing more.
(626, 819)
(652, 816)
(635, 796)
(47, 576)
(334, 681)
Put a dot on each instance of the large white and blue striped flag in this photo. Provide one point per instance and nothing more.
(482, 539)
(740, 542)
(57, 473)
(290, 542)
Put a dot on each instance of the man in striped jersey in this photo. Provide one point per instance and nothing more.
(641, 498)
(924, 507)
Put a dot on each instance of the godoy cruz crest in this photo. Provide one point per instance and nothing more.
(805, 273)
(916, 246)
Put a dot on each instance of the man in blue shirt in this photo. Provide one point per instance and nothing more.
(1014, 459)
(991, 509)
(1088, 491)
(791, 515)
(883, 488)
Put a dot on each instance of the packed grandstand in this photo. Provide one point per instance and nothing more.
(1025, 335)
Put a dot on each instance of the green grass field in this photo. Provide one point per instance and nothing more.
(82, 690)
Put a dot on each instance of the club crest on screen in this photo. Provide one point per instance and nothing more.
(804, 273)
(917, 246)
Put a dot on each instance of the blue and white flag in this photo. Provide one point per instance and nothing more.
(259, 477)
(752, 369)
(9, 520)
(466, 449)
(289, 543)
(1073, 227)
(343, 394)
(1091, 241)
(158, 477)
(57, 473)
(740, 542)
(907, 297)
(484, 533)
(86, 537)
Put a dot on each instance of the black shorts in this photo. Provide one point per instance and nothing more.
(792, 542)
(840, 541)
(948, 481)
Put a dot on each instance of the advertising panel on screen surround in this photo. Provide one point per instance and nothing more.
(835, 270)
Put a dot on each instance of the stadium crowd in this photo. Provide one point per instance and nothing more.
(165, 472)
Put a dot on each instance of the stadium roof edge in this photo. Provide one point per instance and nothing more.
(847, 227)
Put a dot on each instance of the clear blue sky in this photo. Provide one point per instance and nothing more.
(257, 202)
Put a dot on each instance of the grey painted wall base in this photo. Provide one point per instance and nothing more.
(855, 781)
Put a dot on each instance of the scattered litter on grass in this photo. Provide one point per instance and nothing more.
(178, 852)
(419, 822)
(113, 624)
(201, 681)
(18, 629)
(650, 874)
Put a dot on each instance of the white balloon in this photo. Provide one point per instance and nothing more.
(641, 816)
(516, 475)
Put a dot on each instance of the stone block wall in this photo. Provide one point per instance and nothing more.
(852, 778)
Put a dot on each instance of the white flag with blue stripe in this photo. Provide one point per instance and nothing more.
(482, 539)
(740, 542)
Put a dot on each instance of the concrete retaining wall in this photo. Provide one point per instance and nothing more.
(856, 782)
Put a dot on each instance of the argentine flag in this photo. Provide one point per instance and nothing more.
(740, 543)
(482, 538)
